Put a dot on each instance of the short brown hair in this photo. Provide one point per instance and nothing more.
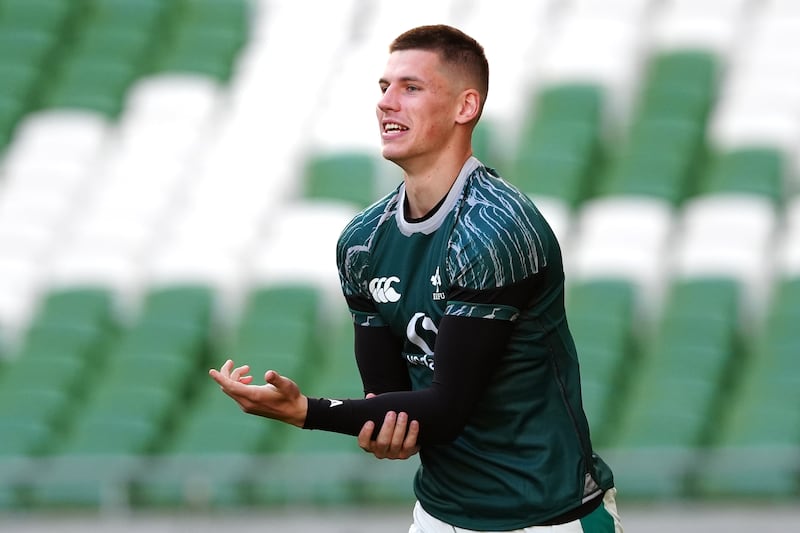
(454, 47)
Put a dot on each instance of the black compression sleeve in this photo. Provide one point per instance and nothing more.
(379, 359)
(466, 352)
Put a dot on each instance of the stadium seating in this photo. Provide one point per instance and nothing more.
(161, 159)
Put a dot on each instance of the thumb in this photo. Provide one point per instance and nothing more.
(276, 380)
(370, 395)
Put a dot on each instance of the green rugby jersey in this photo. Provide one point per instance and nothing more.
(524, 456)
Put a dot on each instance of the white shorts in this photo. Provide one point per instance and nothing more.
(425, 523)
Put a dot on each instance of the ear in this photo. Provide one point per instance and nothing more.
(469, 106)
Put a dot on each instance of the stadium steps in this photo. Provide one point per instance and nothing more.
(129, 402)
(278, 328)
(43, 381)
(320, 467)
(676, 397)
(757, 450)
(606, 344)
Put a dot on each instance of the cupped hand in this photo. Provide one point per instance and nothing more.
(279, 398)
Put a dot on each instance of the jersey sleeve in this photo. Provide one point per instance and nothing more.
(502, 239)
(354, 247)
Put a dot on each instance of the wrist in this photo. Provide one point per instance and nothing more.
(299, 419)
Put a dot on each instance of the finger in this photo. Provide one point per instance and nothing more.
(217, 376)
(399, 433)
(370, 395)
(384, 440)
(225, 369)
(237, 373)
(282, 383)
(365, 436)
(410, 442)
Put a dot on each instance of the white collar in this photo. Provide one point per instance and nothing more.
(432, 223)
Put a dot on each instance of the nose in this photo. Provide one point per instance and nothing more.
(388, 100)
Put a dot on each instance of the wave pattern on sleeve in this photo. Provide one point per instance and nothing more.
(498, 238)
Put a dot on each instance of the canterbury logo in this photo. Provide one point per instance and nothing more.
(382, 291)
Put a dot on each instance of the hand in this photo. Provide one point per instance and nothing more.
(393, 441)
(279, 399)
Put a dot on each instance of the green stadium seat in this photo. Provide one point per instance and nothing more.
(91, 85)
(756, 171)
(680, 393)
(756, 449)
(319, 466)
(77, 306)
(570, 102)
(11, 111)
(559, 143)
(203, 51)
(195, 481)
(686, 74)
(605, 343)
(26, 427)
(267, 303)
(48, 16)
(662, 153)
(635, 175)
(341, 176)
(56, 358)
(214, 433)
(101, 45)
(659, 103)
(221, 13)
(139, 15)
(25, 47)
(109, 434)
(189, 305)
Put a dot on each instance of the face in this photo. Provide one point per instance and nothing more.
(416, 113)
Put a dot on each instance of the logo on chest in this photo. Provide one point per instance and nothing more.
(382, 291)
(436, 281)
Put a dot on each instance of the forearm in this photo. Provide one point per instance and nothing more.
(425, 406)
(466, 352)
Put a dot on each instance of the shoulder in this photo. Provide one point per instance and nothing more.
(355, 245)
(500, 237)
(361, 229)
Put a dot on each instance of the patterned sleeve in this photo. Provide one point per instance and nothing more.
(353, 254)
(352, 258)
(500, 239)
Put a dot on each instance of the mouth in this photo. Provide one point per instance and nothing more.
(393, 127)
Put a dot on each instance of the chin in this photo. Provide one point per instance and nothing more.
(391, 155)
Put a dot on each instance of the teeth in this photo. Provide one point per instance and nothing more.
(393, 127)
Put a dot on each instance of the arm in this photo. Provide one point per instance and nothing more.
(466, 351)
(379, 360)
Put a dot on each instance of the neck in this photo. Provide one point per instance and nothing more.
(427, 186)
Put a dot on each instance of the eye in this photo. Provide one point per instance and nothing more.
(412, 88)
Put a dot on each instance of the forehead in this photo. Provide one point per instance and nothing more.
(415, 64)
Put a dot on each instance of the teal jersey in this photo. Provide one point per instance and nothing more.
(525, 455)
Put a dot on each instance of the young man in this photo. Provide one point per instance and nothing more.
(456, 287)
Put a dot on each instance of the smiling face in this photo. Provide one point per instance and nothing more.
(419, 111)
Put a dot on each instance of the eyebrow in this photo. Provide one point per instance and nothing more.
(383, 81)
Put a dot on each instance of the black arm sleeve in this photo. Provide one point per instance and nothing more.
(466, 349)
(379, 360)
(466, 352)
